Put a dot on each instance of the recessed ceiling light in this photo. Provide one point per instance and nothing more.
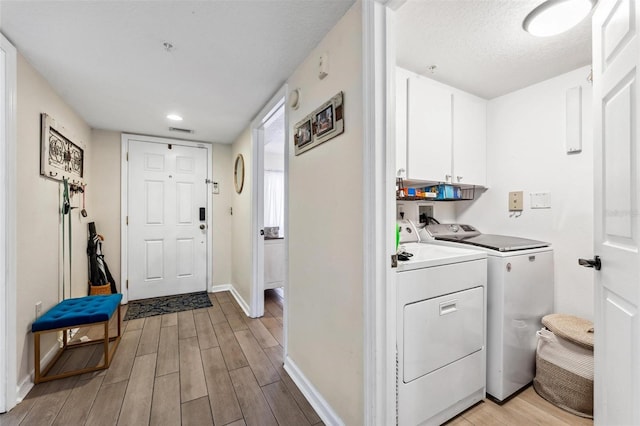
(174, 117)
(556, 16)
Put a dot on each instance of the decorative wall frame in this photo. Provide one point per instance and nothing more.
(59, 156)
(323, 124)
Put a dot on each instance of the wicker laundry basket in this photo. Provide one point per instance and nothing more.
(564, 363)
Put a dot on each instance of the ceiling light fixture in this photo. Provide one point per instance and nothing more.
(556, 16)
(174, 117)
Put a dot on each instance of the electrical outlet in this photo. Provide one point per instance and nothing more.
(515, 201)
(38, 309)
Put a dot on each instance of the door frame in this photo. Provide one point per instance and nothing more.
(279, 99)
(379, 296)
(8, 184)
(124, 208)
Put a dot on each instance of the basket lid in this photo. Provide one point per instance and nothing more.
(577, 330)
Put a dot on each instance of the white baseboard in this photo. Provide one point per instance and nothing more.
(220, 287)
(26, 384)
(322, 407)
(230, 288)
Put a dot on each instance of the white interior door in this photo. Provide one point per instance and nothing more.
(616, 58)
(167, 238)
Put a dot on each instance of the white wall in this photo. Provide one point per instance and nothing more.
(38, 212)
(325, 305)
(526, 152)
(241, 248)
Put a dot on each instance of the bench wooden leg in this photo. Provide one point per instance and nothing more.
(40, 374)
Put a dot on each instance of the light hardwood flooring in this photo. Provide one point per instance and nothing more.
(211, 366)
(526, 408)
(200, 367)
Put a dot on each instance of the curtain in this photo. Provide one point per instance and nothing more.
(274, 199)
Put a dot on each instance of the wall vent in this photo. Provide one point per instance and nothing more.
(178, 129)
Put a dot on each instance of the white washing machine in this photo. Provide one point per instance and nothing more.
(519, 293)
(441, 323)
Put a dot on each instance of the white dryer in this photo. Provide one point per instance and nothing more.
(441, 323)
(520, 291)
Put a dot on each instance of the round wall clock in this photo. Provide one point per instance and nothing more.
(238, 173)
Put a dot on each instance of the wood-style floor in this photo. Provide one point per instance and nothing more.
(211, 366)
(526, 408)
(200, 367)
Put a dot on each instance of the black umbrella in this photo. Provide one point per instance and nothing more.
(99, 274)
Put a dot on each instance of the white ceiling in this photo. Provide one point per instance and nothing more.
(107, 60)
(479, 45)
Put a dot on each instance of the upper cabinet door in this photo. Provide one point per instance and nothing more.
(428, 131)
(402, 77)
(469, 140)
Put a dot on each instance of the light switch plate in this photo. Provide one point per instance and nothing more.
(515, 201)
(540, 200)
(216, 188)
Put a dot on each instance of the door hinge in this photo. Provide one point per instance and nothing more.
(127, 284)
(394, 260)
(127, 220)
(127, 156)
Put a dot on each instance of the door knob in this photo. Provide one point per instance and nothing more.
(591, 263)
(202, 226)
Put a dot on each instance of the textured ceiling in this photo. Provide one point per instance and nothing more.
(479, 45)
(107, 60)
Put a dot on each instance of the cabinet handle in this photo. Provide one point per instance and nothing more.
(447, 178)
(459, 178)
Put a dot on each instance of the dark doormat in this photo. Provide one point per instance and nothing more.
(167, 305)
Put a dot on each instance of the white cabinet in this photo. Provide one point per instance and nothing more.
(469, 140)
(428, 131)
(273, 263)
(440, 132)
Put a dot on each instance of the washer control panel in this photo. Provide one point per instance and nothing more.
(452, 230)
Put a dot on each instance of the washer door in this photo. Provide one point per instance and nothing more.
(442, 330)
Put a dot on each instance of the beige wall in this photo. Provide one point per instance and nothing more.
(325, 317)
(104, 195)
(241, 249)
(221, 224)
(38, 218)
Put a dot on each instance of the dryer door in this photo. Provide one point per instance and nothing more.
(442, 330)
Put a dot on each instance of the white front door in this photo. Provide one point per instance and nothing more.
(616, 75)
(167, 236)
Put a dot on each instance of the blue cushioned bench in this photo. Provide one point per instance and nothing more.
(75, 313)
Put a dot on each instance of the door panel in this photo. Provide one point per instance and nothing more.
(617, 293)
(154, 259)
(167, 249)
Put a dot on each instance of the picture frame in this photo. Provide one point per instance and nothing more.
(325, 122)
(59, 156)
(303, 133)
